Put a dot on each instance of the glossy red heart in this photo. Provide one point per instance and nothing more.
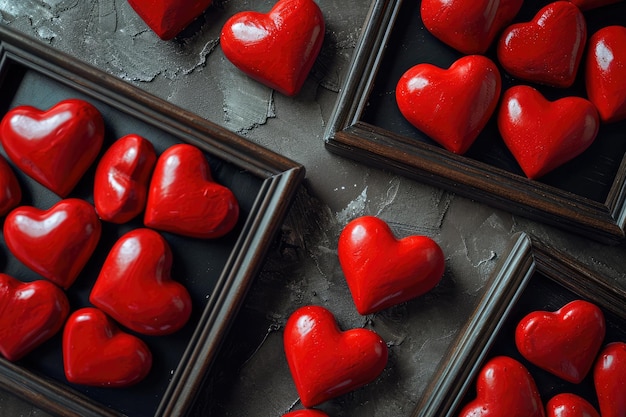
(605, 72)
(167, 18)
(184, 199)
(54, 147)
(135, 287)
(564, 342)
(504, 388)
(569, 405)
(451, 106)
(592, 4)
(382, 271)
(97, 353)
(549, 48)
(30, 314)
(306, 413)
(608, 378)
(277, 48)
(122, 178)
(55, 243)
(543, 135)
(326, 362)
(10, 189)
(469, 26)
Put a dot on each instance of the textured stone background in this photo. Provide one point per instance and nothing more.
(251, 377)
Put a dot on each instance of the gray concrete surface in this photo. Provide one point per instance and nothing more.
(252, 379)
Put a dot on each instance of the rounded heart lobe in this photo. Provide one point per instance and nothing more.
(504, 388)
(609, 381)
(569, 405)
(605, 72)
(469, 26)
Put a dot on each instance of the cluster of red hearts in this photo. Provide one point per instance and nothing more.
(174, 191)
(452, 106)
(381, 271)
(568, 343)
(277, 48)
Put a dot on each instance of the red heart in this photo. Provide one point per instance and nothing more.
(306, 413)
(55, 243)
(30, 314)
(592, 4)
(451, 106)
(279, 48)
(605, 72)
(564, 342)
(570, 405)
(326, 362)
(469, 26)
(549, 48)
(608, 377)
(167, 18)
(543, 135)
(382, 271)
(10, 190)
(96, 352)
(121, 180)
(184, 199)
(504, 388)
(135, 288)
(54, 147)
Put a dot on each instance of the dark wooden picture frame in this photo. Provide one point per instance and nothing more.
(586, 196)
(532, 277)
(263, 181)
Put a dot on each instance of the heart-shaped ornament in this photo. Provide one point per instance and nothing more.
(167, 18)
(30, 314)
(569, 405)
(135, 287)
(54, 147)
(55, 243)
(326, 362)
(605, 72)
(382, 271)
(122, 177)
(184, 199)
(504, 388)
(10, 189)
(549, 48)
(451, 106)
(608, 377)
(306, 413)
(592, 4)
(543, 135)
(277, 48)
(469, 26)
(97, 353)
(564, 342)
